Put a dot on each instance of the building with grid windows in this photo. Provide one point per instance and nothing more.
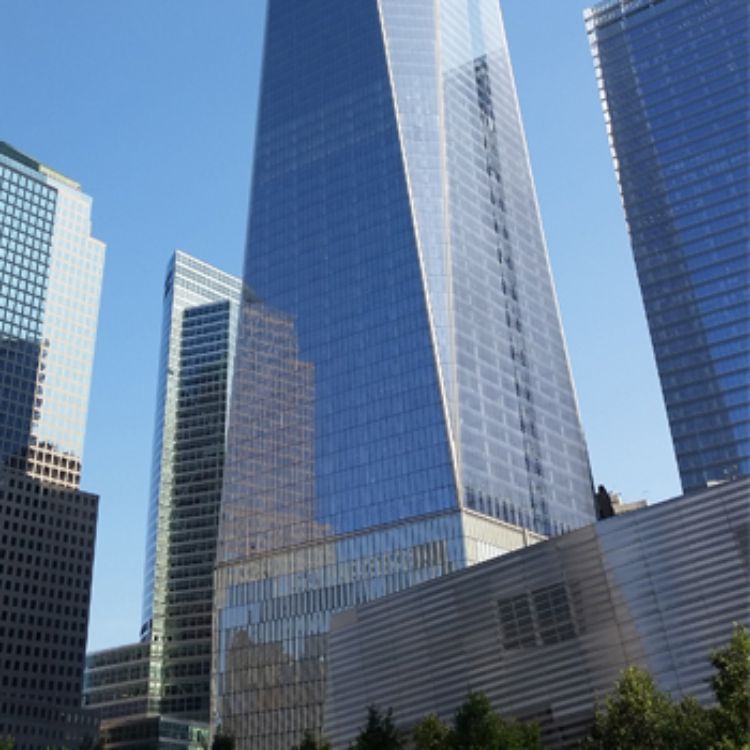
(49, 305)
(402, 404)
(195, 363)
(167, 674)
(674, 82)
(50, 282)
(47, 536)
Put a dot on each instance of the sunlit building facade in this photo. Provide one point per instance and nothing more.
(199, 329)
(402, 403)
(157, 691)
(118, 690)
(674, 82)
(50, 282)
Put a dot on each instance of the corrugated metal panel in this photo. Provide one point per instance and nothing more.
(658, 587)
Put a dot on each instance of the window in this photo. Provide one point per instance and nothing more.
(541, 617)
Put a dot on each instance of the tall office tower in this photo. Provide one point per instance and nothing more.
(424, 408)
(195, 361)
(47, 536)
(50, 282)
(157, 691)
(673, 77)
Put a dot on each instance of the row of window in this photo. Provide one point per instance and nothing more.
(51, 635)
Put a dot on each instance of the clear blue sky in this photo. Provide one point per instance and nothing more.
(150, 104)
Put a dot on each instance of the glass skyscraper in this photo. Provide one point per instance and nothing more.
(673, 77)
(402, 402)
(199, 330)
(158, 690)
(50, 283)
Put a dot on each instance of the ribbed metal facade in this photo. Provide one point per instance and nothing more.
(545, 631)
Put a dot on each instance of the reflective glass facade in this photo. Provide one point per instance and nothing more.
(197, 350)
(117, 682)
(674, 82)
(403, 369)
(274, 609)
(153, 732)
(50, 282)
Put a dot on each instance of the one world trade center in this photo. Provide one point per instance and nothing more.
(402, 404)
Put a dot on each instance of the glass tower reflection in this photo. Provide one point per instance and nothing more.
(674, 83)
(50, 283)
(423, 404)
(199, 330)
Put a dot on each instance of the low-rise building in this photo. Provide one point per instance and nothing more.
(545, 631)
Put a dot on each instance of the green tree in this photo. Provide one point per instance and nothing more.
(731, 686)
(310, 742)
(477, 727)
(380, 733)
(431, 734)
(6, 743)
(638, 716)
(691, 727)
(519, 735)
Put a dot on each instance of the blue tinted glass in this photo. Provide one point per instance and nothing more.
(26, 218)
(674, 79)
(331, 245)
(401, 388)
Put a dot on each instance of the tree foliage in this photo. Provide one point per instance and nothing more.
(431, 734)
(476, 727)
(310, 742)
(6, 743)
(731, 686)
(639, 716)
(380, 732)
(636, 716)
